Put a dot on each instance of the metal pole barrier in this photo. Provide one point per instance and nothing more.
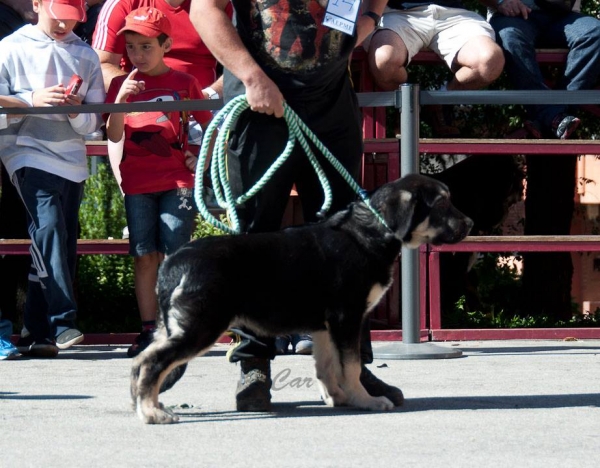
(409, 164)
(411, 346)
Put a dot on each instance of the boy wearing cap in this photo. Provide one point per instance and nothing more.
(156, 168)
(46, 159)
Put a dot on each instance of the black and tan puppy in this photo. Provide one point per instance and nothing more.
(320, 278)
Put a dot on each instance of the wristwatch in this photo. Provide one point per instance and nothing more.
(374, 16)
(212, 94)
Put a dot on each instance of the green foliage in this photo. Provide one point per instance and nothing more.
(498, 289)
(205, 229)
(104, 283)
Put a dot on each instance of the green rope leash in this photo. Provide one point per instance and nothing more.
(298, 132)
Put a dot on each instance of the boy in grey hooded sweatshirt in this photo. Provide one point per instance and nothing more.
(45, 157)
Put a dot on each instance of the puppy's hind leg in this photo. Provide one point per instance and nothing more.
(327, 369)
(161, 333)
(148, 370)
(155, 363)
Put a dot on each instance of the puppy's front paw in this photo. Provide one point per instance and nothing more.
(335, 398)
(379, 404)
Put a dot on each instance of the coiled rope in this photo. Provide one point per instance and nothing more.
(298, 133)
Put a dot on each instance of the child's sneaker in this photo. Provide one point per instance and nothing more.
(68, 338)
(7, 349)
(45, 348)
(302, 344)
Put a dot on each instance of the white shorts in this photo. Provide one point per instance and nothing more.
(443, 30)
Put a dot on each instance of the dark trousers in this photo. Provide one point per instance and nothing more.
(258, 140)
(519, 37)
(52, 204)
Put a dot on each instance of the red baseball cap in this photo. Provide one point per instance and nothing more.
(148, 22)
(65, 9)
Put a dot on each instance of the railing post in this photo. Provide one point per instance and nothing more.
(409, 164)
(411, 346)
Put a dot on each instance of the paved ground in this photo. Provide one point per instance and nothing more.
(504, 404)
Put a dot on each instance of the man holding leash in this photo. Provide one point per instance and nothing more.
(294, 52)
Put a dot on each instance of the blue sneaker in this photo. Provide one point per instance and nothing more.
(7, 349)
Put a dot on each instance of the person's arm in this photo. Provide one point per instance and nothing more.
(115, 124)
(10, 101)
(109, 46)
(220, 36)
(111, 66)
(366, 22)
(508, 7)
(217, 87)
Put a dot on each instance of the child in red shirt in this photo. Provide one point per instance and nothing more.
(157, 170)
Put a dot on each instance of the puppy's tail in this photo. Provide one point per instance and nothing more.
(173, 378)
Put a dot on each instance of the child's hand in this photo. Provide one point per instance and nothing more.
(72, 100)
(48, 97)
(191, 161)
(130, 87)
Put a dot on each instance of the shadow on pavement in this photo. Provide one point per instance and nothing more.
(533, 349)
(17, 396)
(103, 353)
(311, 409)
(502, 402)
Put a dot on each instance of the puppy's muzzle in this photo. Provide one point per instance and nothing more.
(457, 228)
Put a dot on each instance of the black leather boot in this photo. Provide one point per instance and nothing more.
(254, 388)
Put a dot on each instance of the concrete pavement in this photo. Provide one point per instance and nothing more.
(504, 404)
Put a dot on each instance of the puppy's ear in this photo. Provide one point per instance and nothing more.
(399, 212)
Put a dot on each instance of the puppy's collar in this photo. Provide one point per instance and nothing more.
(362, 193)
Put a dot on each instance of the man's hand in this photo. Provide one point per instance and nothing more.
(264, 97)
(514, 8)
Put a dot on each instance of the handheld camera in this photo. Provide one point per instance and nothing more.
(74, 85)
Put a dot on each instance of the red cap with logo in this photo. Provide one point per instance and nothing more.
(148, 22)
(65, 9)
